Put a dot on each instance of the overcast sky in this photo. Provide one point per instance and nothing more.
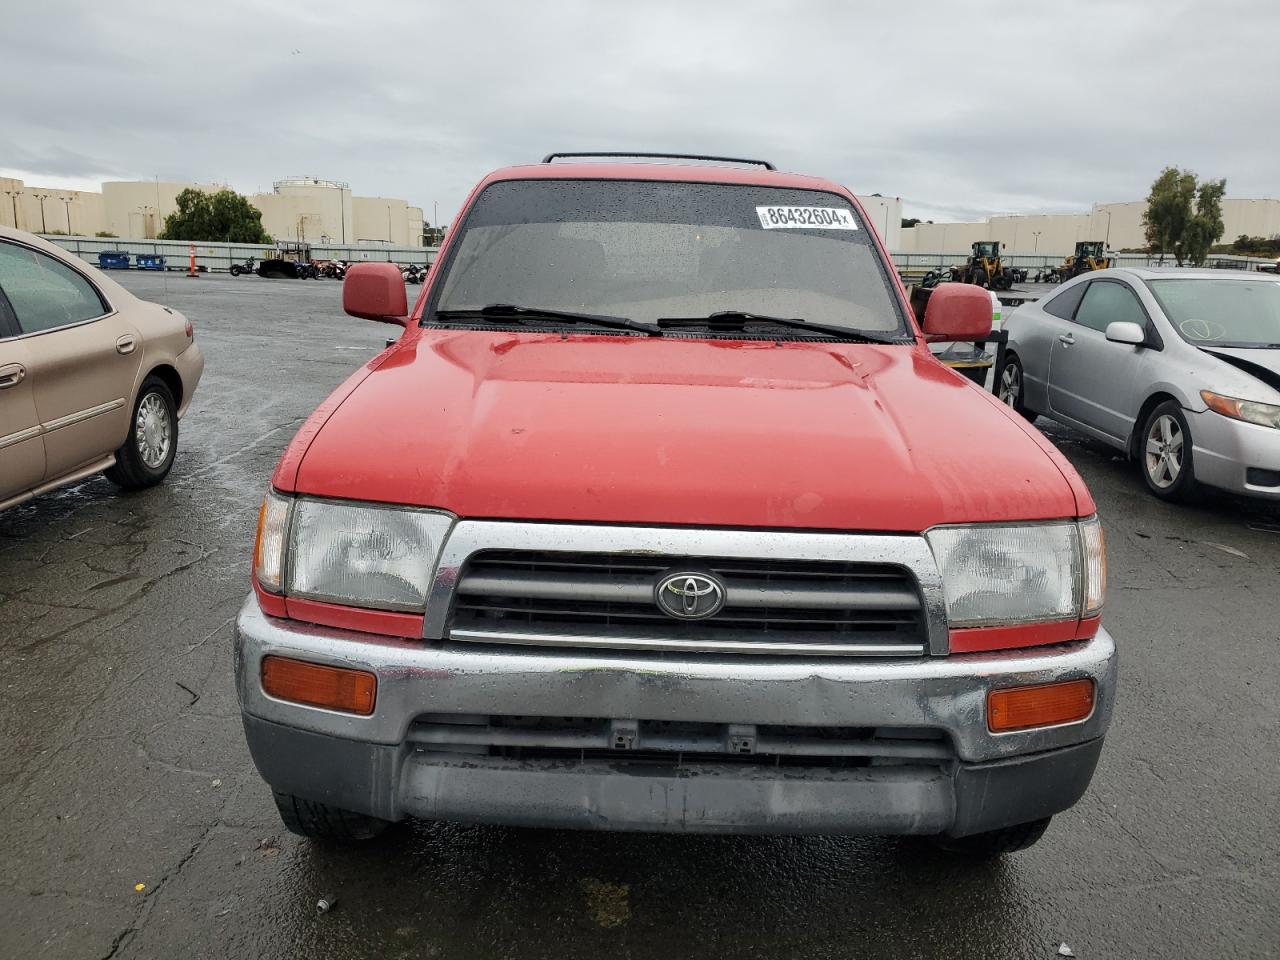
(962, 110)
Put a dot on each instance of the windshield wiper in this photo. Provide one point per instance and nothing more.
(517, 313)
(738, 320)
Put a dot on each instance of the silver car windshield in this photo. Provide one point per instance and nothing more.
(647, 250)
(1224, 313)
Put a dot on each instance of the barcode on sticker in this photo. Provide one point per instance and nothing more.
(811, 218)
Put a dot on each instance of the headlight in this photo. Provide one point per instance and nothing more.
(1250, 411)
(1030, 573)
(359, 554)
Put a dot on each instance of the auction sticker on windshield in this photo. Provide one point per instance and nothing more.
(821, 218)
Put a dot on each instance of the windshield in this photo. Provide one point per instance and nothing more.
(1224, 313)
(647, 250)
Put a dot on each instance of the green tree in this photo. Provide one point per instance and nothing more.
(1205, 226)
(1168, 211)
(909, 222)
(1184, 216)
(224, 216)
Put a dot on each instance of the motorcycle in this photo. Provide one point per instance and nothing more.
(246, 267)
(414, 273)
(334, 270)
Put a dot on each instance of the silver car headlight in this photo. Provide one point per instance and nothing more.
(358, 554)
(1250, 411)
(1028, 573)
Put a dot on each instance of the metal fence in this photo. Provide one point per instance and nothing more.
(220, 256)
(919, 263)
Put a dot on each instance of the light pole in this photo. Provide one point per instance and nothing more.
(144, 212)
(388, 223)
(13, 196)
(42, 197)
(1107, 242)
(66, 207)
(1036, 246)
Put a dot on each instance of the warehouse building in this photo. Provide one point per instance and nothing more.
(1118, 225)
(298, 208)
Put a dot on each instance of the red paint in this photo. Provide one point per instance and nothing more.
(385, 622)
(272, 604)
(957, 311)
(982, 639)
(375, 291)
(612, 429)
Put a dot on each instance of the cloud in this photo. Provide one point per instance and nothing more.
(1027, 111)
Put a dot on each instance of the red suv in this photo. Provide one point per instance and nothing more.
(659, 515)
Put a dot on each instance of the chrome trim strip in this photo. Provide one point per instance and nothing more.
(80, 416)
(467, 537)
(614, 642)
(27, 434)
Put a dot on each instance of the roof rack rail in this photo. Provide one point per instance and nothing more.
(658, 156)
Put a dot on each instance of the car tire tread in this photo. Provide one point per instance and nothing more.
(129, 471)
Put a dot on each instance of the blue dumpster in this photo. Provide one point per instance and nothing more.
(150, 261)
(113, 260)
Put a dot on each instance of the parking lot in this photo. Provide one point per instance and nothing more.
(136, 826)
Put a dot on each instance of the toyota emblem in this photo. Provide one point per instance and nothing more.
(689, 596)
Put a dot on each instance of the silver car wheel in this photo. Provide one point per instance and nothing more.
(1010, 385)
(1164, 455)
(153, 431)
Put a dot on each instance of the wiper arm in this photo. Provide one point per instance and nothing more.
(512, 311)
(738, 319)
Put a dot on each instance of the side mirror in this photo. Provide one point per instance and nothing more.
(375, 291)
(1125, 331)
(958, 311)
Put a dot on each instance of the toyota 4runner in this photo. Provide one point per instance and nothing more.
(659, 515)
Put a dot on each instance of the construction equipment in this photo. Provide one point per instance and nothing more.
(291, 260)
(1088, 256)
(984, 267)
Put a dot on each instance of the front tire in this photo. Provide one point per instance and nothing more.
(1012, 388)
(996, 843)
(147, 454)
(319, 821)
(1165, 456)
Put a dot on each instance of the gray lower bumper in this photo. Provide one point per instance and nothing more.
(372, 765)
(393, 782)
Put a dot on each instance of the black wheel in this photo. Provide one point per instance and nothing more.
(1012, 387)
(996, 843)
(309, 818)
(148, 451)
(236, 269)
(1164, 454)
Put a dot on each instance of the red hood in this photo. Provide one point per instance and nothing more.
(679, 431)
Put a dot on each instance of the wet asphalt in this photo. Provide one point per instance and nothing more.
(124, 764)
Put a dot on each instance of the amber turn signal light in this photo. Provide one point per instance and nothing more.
(316, 685)
(1043, 705)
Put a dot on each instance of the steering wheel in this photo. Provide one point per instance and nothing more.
(1196, 329)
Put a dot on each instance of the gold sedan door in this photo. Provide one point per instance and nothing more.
(21, 440)
(83, 358)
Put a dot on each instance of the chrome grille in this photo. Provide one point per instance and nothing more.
(772, 606)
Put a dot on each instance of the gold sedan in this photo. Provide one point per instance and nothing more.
(92, 379)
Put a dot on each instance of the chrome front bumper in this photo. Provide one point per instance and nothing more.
(372, 764)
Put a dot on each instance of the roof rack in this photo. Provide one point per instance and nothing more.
(659, 156)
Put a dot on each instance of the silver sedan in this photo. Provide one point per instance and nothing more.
(1178, 368)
